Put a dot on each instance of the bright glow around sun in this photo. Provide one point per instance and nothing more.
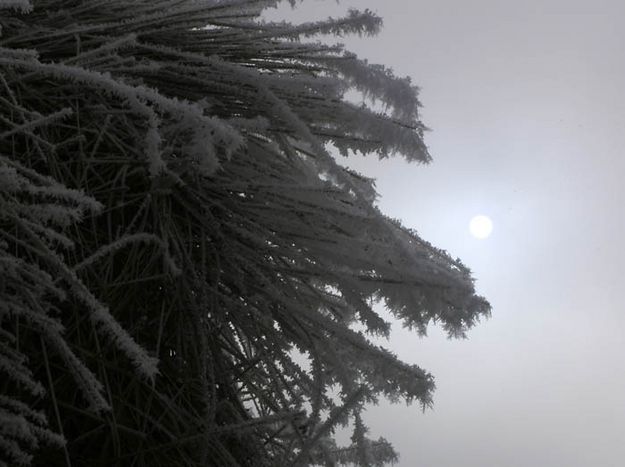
(481, 226)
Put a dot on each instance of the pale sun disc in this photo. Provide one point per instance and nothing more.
(481, 226)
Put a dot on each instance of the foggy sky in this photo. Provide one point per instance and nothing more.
(527, 108)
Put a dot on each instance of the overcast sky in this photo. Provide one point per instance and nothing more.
(526, 104)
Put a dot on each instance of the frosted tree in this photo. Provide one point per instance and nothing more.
(175, 228)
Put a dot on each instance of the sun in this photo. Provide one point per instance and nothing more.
(481, 226)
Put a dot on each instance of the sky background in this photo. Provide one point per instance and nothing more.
(526, 105)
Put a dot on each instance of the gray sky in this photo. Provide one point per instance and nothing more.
(527, 108)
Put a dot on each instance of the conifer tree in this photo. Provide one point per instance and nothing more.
(175, 228)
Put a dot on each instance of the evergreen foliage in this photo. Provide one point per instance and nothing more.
(174, 230)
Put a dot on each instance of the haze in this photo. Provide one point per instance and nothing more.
(527, 108)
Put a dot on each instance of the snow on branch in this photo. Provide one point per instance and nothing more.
(175, 225)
